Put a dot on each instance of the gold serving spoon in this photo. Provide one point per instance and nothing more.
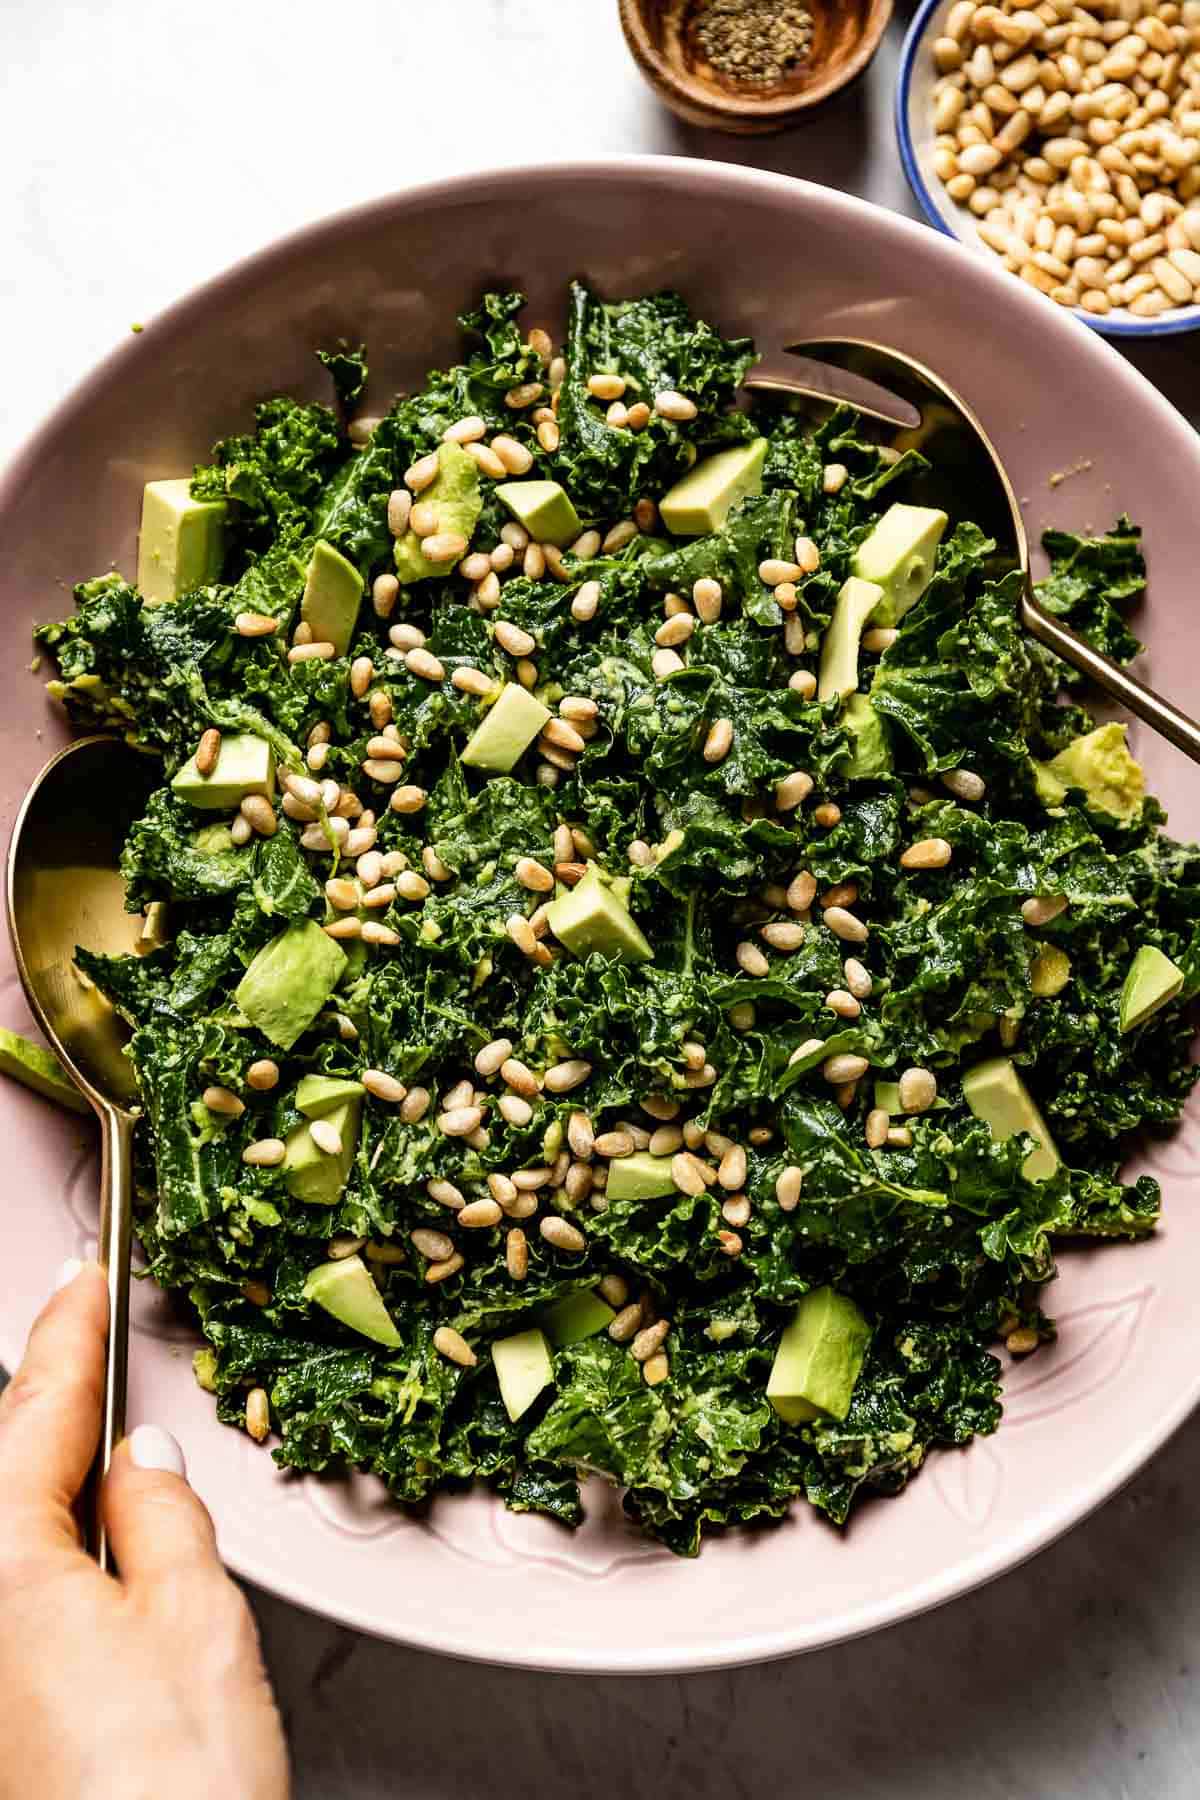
(966, 479)
(64, 890)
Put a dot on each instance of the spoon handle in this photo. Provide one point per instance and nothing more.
(116, 1229)
(1142, 701)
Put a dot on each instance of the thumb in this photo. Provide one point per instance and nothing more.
(159, 1528)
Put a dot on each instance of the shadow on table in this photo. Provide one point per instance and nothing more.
(1011, 1691)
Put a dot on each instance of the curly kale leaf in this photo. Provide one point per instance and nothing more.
(655, 344)
(348, 372)
(1093, 581)
(274, 473)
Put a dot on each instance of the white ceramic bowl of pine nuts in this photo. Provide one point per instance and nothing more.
(1062, 138)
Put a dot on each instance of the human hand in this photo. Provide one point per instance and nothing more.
(130, 1687)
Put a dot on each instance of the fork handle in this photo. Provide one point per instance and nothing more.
(113, 1254)
(1141, 701)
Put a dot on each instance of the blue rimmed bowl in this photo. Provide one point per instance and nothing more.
(915, 136)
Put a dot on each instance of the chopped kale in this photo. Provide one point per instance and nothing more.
(936, 1233)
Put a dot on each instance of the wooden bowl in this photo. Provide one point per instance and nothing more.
(660, 33)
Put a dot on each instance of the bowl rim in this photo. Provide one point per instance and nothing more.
(660, 71)
(730, 1648)
(913, 40)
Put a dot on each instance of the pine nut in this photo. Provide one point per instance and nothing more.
(512, 639)
(343, 928)
(843, 1067)
(687, 1173)
(802, 891)
(534, 875)
(459, 1121)
(675, 630)
(382, 1086)
(843, 1003)
(918, 1090)
(793, 789)
(845, 925)
(787, 1188)
(442, 1271)
(492, 1057)
(374, 933)
(783, 934)
(719, 741)
(471, 681)
(665, 663)
(562, 1235)
(267, 1153)
(707, 598)
(255, 625)
(1043, 908)
(259, 814)
(514, 1110)
(258, 1415)
(929, 853)
(964, 784)
(731, 1172)
(677, 407)
(415, 1105)
(773, 571)
(858, 979)
(751, 960)
(614, 1144)
(326, 1137)
(208, 750)
(515, 1075)
(563, 1076)
(516, 1253)
(480, 1215)
(454, 1347)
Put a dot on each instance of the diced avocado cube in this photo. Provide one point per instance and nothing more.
(543, 508)
(333, 590)
(317, 1095)
(289, 982)
(347, 1291)
(887, 1096)
(40, 1070)
(700, 500)
(576, 1317)
(1099, 762)
(838, 675)
(312, 1174)
(996, 1094)
(454, 494)
(245, 765)
(870, 751)
(181, 543)
(1049, 972)
(1153, 980)
(523, 1369)
(506, 730)
(899, 555)
(819, 1359)
(640, 1177)
(590, 917)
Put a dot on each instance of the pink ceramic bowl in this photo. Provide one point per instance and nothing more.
(780, 259)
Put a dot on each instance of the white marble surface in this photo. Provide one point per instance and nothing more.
(147, 143)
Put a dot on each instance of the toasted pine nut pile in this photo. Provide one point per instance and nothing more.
(1072, 131)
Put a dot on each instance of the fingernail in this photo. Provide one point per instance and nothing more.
(67, 1273)
(150, 1447)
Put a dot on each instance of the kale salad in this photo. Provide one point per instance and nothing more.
(643, 958)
